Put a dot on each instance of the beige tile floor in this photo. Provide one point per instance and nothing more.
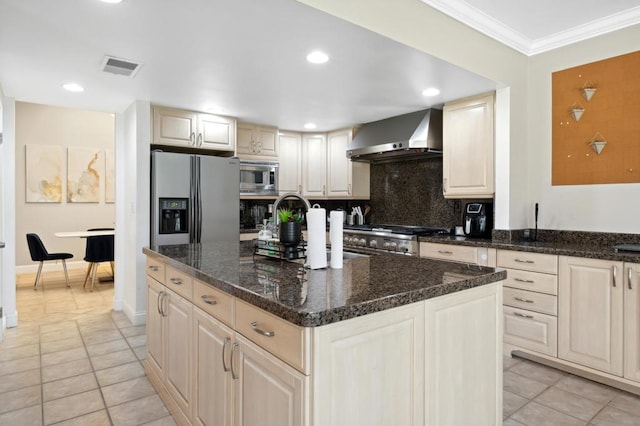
(73, 360)
(536, 395)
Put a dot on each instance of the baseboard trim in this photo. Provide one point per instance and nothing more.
(50, 266)
(576, 369)
(136, 318)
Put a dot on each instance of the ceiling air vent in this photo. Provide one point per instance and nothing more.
(120, 66)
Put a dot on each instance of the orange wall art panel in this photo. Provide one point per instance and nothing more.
(596, 122)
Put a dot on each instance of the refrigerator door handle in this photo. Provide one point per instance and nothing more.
(199, 203)
(192, 202)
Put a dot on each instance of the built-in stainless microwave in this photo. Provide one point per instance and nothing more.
(258, 178)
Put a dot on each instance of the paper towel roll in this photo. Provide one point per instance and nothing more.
(335, 236)
(316, 238)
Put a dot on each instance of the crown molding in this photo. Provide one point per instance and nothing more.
(491, 27)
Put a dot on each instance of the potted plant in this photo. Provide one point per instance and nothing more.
(290, 232)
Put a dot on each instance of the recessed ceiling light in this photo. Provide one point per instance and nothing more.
(431, 91)
(310, 126)
(73, 87)
(317, 57)
(111, 1)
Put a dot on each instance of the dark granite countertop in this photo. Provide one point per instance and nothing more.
(312, 298)
(589, 248)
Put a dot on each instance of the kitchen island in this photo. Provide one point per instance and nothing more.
(388, 339)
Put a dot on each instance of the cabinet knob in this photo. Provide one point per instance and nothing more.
(176, 281)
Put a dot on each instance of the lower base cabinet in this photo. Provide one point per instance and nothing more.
(408, 365)
(237, 383)
(590, 313)
(212, 393)
(169, 319)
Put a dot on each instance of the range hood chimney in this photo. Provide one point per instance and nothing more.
(404, 137)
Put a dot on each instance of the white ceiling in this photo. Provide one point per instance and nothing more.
(244, 56)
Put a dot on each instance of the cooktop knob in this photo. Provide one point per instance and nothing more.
(362, 242)
(373, 243)
(393, 246)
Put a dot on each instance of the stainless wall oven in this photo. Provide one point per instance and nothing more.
(258, 178)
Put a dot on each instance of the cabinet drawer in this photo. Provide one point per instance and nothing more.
(534, 281)
(531, 330)
(536, 262)
(450, 252)
(283, 339)
(213, 301)
(155, 269)
(530, 300)
(180, 282)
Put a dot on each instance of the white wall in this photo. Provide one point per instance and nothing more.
(132, 193)
(598, 208)
(8, 215)
(48, 125)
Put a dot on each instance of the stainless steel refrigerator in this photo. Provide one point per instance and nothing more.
(194, 198)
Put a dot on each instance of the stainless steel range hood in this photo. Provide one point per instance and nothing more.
(405, 137)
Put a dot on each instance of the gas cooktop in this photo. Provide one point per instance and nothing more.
(400, 229)
(399, 239)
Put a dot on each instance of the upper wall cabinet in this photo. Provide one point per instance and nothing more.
(468, 170)
(257, 142)
(314, 165)
(189, 129)
(345, 178)
(290, 159)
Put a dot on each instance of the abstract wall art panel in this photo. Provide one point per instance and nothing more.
(110, 173)
(43, 173)
(83, 175)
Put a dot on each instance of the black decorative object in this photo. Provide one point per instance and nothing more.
(290, 233)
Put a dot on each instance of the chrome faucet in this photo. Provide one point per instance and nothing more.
(287, 195)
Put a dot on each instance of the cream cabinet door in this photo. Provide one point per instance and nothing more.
(267, 141)
(632, 321)
(212, 382)
(245, 143)
(338, 165)
(267, 391)
(290, 159)
(345, 178)
(174, 127)
(467, 151)
(178, 320)
(314, 165)
(463, 376)
(216, 132)
(155, 341)
(590, 313)
(259, 142)
(371, 369)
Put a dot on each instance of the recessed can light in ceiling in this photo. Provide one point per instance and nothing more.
(111, 1)
(73, 87)
(310, 126)
(317, 57)
(431, 91)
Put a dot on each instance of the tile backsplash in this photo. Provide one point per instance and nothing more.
(410, 193)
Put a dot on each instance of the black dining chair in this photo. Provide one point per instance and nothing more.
(99, 249)
(40, 254)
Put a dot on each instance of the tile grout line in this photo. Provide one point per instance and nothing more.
(95, 376)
